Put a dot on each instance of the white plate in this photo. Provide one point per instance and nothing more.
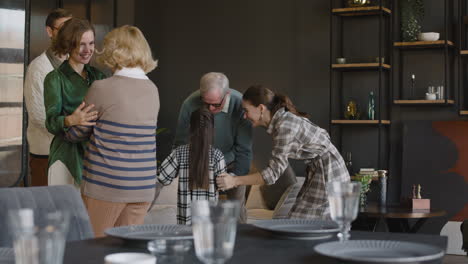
(380, 251)
(299, 228)
(150, 232)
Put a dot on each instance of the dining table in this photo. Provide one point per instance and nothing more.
(253, 245)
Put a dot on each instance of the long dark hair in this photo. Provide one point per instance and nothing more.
(201, 140)
(258, 94)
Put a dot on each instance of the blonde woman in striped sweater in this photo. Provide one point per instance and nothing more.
(119, 172)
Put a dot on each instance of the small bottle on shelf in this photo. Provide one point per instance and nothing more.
(349, 163)
(383, 188)
(371, 106)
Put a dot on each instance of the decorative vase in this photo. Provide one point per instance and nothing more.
(351, 111)
(371, 106)
(412, 14)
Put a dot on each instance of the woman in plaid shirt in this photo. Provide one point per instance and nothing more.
(197, 164)
(294, 137)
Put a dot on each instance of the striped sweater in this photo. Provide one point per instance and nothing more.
(119, 163)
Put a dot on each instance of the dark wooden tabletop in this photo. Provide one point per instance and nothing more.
(400, 212)
(252, 246)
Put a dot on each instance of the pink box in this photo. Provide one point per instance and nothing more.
(421, 203)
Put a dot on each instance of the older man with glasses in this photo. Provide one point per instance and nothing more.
(233, 133)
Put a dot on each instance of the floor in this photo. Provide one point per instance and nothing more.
(454, 259)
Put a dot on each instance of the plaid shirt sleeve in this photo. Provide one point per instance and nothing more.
(169, 169)
(283, 144)
(220, 164)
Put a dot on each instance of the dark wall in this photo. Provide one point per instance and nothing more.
(104, 14)
(281, 44)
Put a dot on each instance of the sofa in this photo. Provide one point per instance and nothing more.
(164, 209)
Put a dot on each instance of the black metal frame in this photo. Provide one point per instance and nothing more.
(462, 13)
(381, 69)
(445, 47)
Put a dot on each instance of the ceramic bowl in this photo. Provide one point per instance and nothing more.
(341, 60)
(127, 258)
(428, 36)
(381, 59)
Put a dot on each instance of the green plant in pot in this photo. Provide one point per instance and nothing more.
(412, 14)
(365, 181)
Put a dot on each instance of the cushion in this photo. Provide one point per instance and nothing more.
(272, 193)
(288, 199)
(259, 214)
(162, 215)
(255, 199)
(44, 200)
(167, 194)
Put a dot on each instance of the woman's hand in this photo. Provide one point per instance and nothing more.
(226, 181)
(82, 116)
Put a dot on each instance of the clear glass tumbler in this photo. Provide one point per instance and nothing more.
(344, 204)
(52, 235)
(23, 230)
(214, 225)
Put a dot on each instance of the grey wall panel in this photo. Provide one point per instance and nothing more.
(282, 44)
(102, 18)
(125, 12)
(39, 41)
(79, 8)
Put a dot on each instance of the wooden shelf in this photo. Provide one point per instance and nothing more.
(463, 112)
(360, 122)
(423, 44)
(424, 102)
(463, 52)
(358, 66)
(361, 11)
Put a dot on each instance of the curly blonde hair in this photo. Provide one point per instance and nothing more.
(126, 47)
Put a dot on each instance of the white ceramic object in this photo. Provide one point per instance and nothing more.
(455, 238)
(130, 258)
(341, 60)
(431, 96)
(428, 36)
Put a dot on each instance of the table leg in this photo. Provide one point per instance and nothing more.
(419, 223)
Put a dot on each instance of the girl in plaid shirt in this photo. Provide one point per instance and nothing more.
(197, 164)
(295, 137)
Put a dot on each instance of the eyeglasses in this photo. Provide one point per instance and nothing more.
(214, 105)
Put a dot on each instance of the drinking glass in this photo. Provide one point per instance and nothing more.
(52, 235)
(214, 226)
(23, 231)
(41, 241)
(344, 203)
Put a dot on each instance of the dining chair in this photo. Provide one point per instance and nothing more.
(43, 200)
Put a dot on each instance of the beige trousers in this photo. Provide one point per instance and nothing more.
(104, 214)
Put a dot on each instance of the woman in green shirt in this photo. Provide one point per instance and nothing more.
(64, 90)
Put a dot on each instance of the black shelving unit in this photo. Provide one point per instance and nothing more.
(463, 53)
(425, 49)
(362, 70)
